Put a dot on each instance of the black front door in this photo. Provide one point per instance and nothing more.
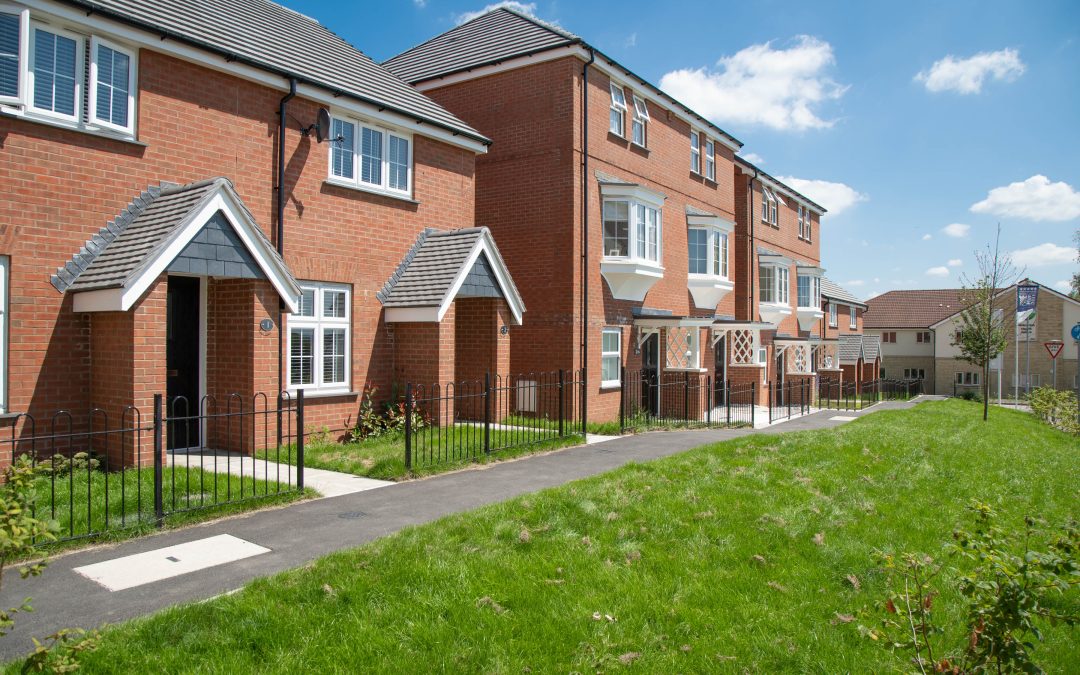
(650, 374)
(720, 371)
(778, 384)
(182, 361)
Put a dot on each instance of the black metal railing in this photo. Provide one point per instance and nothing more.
(789, 399)
(97, 472)
(836, 395)
(472, 419)
(651, 400)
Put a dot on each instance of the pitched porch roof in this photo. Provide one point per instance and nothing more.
(443, 265)
(118, 264)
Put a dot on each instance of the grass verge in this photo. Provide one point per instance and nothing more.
(735, 557)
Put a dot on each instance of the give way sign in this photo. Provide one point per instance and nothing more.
(1054, 347)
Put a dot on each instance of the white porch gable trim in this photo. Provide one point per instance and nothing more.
(225, 200)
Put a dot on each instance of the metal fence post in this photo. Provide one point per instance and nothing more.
(300, 440)
(727, 400)
(709, 400)
(768, 385)
(753, 403)
(408, 425)
(487, 413)
(686, 398)
(562, 400)
(622, 399)
(159, 508)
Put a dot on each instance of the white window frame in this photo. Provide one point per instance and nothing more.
(833, 319)
(695, 152)
(779, 288)
(617, 331)
(641, 119)
(710, 159)
(5, 295)
(80, 74)
(319, 323)
(768, 206)
(854, 317)
(357, 181)
(808, 224)
(24, 52)
(814, 290)
(714, 238)
(640, 233)
(801, 222)
(618, 108)
(92, 82)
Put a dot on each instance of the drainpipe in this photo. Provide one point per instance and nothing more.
(750, 246)
(585, 235)
(280, 239)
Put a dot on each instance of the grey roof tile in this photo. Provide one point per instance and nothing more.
(833, 290)
(850, 347)
(271, 37)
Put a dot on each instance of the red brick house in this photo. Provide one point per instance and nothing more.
(615, 205)
(779, 279)
(860, 354)
(180, 216)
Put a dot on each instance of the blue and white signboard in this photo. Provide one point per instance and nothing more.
(1076, 332)
(1026, 298)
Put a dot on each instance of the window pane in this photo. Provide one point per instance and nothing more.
(113, 69)
(766, 284)
(618, 97)
(341, 151)
(9, 54)
(639, 131)
(301, 356)
(695, 152)
(371, 154)
(654, 235)
(399, 163)
(698, 251)
(639, 212)
(307, 302)
(609, 369)
(615, 124)
(616, 228)
(334, 356)
(804, 291)
(783, 295)
(333, 304)
(54, 72)
(611, 341)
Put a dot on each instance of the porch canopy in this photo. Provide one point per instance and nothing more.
(200, 229)
(443, 266)
(854, 348)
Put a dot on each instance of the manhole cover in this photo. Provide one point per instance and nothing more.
(351, 515)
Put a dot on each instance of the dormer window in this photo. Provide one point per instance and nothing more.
(617, 124)
(640, 124)
(768, 206)
(695, 152)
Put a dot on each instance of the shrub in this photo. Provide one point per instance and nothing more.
(971, 395)
(370, 423)
(58, 465)
(1056, 408)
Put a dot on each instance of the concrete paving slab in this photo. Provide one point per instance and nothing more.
(327, 483)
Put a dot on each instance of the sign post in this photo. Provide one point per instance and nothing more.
(1054, 347)
(1076, 336)
(1027, 296)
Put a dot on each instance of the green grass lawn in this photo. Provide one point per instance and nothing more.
(435, 450)
(80, 506)
(734, 557)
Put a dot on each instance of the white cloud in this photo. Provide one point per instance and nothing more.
(956, 230)
(762, 86)
(955, 262)
(753, 157)
(941, 271)
(1034, 199)
(631, 40)
(1043, 254)
(926, 237)
(1064, 286)
(835, 197)
(854, 283)
(523, 7)
(965, 76)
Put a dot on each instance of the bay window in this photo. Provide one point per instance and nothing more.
(708, 249)
(370, 157)
(319, 344)
(809, 291)
(773, 284)
(632, 230)
(617, 122)
(611, 357)
(54, 74)
(640, 122)
(695, 152)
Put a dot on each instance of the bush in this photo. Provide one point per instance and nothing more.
(370, 423)
(1056, 408)
(971, 395)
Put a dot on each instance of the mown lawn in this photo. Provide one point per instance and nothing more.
(118, 505)
(730, 558)
(435, 450)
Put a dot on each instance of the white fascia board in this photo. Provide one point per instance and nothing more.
(657, 322)
(719, 222)
(152, 268)
(638, 192)
(146, 39)
(411, 315)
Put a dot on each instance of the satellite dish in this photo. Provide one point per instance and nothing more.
(322, 125)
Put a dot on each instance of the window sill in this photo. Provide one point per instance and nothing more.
(608, 386)
(637, 147)
(329, 393)
(686, 370)
(370, 190)
(18, 113)
(618, 138)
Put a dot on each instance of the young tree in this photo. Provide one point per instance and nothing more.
(983, 331)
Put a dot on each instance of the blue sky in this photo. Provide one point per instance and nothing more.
(921, 125)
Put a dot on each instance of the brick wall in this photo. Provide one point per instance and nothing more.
(62, 186)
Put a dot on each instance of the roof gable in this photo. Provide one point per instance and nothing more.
(912, 309)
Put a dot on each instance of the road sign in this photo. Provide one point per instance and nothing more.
(1054, 347)
(1076, 332)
